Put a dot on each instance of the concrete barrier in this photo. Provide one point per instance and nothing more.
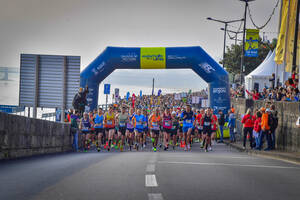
(21, 136)
(287, 134)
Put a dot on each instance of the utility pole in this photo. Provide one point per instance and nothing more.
(243, 46)
(153, 86)
(235, 32)
(225, 28)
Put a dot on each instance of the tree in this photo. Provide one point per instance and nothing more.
(233, 57)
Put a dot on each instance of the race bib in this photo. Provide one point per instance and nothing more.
(200, 127)
(154, 124)
(122, 124)
(109, 122)
(130, 125)
(138, 123)
(173, 127)
(167, 123)
(98, 125)
(85, 129)
(188, 121)
(206, 123)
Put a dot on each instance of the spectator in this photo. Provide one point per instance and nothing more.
(257, 129)
(265, 129)
(231, 125)
(221, 122)
(273, 125)
(272, 80)
(248, 121)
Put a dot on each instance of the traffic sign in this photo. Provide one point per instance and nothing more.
(11, 109)
(106, 88)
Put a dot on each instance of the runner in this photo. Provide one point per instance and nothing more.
(145, 125)
(174, 130)
(200, 126)
(99, 128)
(130, 129)
(187, 127)
(109, 123)
(138, 121)
(207, 127)
(214, 128)
(85, 127)
(122, 119)
(155, 122)
(167, 127)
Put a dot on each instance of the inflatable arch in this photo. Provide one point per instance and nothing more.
(194, 58)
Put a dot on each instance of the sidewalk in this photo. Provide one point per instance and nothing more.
(293, 157)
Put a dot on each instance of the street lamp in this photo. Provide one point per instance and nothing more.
(235, 32)
(226, 24)
(244, 31)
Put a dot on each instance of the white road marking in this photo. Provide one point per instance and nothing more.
(150, 168)
(155, 196)
(151, 181)
(226, 164)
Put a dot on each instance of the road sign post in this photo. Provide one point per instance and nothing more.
(107, 92)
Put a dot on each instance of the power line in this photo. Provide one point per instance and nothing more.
(263, 26)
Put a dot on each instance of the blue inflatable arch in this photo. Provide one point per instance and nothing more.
(194, 58)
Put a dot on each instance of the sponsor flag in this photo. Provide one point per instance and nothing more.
(281, 43)
(251, 45)
(159, 92)
(290, 40)
(127, 96)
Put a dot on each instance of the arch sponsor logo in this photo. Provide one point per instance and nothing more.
(219, 90)
(131, 57)
(206, 67)
(153, 58)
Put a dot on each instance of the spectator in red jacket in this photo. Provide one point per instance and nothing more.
(257, 129)
(248, 121)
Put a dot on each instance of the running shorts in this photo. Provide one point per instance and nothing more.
(185, 129)
(156, 132)
(122, 130)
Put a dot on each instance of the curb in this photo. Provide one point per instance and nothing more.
(266, 154)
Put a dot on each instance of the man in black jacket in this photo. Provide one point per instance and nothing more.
(221, 122)
(80, 101)
(273, 125)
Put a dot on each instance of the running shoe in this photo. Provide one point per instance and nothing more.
(209, 149)
(154, 149)
(98, 149)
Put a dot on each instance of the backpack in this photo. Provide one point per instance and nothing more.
(274, 121)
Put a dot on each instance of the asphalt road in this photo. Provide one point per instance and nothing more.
(221, 174)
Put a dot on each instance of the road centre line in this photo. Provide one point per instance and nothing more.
(150, 180)
(227, 164)
(150, 168)
(155, 196)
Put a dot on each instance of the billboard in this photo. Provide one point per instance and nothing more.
(48, 81)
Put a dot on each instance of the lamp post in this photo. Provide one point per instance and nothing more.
(235, 32)
(225, 28)
(243, 47)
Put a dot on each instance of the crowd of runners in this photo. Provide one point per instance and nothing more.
(134, 128)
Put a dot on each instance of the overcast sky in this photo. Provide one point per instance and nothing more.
(86, 27)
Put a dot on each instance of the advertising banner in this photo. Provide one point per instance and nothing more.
(251, 45)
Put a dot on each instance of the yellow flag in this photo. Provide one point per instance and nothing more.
(298, 46)
(290, 35)
(281, 43)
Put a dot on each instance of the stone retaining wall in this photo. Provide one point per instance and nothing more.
(21, 136)
(287, 134)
